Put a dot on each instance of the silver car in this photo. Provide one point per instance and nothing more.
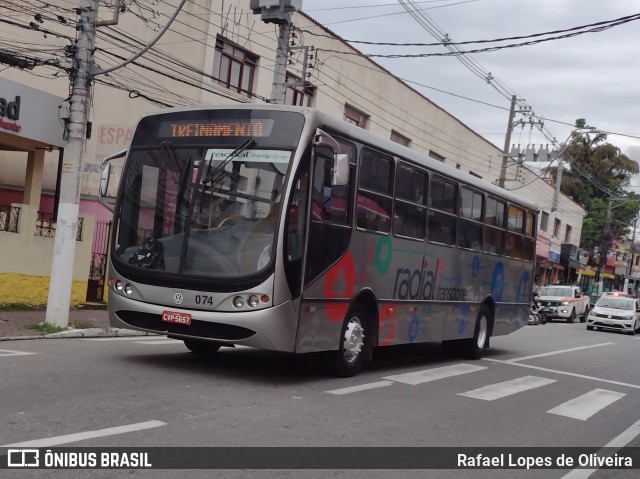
(615, 312)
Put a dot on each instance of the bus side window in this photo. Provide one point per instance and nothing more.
(443, 196)
(330, 203)
(374, 192)
(409, 212)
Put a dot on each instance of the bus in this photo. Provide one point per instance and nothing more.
(283, 228)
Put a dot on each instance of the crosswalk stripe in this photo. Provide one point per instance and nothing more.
(137, 337)
(427, 375)
(585, 406)
(361, 387)
(507, 388)
(10, 352)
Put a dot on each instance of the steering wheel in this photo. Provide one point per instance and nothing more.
(150, 254)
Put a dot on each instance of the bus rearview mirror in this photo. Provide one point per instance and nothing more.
(104, 180)
(340, 170)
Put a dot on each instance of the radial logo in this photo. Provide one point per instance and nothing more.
(178, 298)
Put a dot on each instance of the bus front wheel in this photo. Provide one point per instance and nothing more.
(350, 356)
(201, 347)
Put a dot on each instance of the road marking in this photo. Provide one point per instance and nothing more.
(507, 388)
(137, 337)
(553, 353)
(427, 375)
(9, 352)
(361, 387)
(585, 406)
(618, 442)
(566, 373)
(160, 341)
(81, 436)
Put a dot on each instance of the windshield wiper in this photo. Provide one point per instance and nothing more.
(215, 176)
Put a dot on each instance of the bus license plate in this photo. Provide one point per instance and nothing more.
(177, 318)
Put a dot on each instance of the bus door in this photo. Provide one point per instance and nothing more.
(329, 211)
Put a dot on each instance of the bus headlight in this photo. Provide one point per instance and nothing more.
(119, 285)
(253, 301)
(238, 302)
(128, 289)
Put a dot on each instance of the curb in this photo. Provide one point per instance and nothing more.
(84, 333)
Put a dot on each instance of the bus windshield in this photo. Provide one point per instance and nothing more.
(201, 208)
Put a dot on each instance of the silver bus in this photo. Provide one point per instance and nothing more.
(286, 229)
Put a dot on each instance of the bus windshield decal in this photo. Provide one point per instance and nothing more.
(259, 156)
(216, 128)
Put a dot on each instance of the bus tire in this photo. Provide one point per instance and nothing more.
(201, 347)
(351, 353)
(475, 347)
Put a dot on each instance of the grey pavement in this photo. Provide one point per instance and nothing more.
(84, 322)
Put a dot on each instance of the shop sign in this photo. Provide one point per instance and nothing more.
(30, 113)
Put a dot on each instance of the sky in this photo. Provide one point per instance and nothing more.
(595, 76)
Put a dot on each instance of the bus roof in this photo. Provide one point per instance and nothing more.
(372, 139)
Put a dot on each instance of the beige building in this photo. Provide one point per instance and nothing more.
(215, 52)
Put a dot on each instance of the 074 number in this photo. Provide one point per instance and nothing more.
(204, 299)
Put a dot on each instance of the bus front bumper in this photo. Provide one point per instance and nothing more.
(271, 328)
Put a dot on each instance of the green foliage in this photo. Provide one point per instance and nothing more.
(18, 307)
(45, 328)
(595, 174)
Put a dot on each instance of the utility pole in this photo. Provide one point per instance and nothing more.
(76, 135)
(279, 12)
(556, 195)
(507, 143)
(630, 267)
(604, 249)
(280, 68)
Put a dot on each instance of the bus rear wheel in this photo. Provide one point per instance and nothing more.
(350, 356)
(475, 347)
(201, 347)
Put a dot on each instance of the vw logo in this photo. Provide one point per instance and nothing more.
(178, 298)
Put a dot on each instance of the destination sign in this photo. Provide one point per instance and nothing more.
(216, 129)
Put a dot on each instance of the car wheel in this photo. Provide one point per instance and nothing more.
(583, 319)
(201, 347)
(572, 318)
(350, 356)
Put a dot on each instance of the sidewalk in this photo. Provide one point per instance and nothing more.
(83, 323)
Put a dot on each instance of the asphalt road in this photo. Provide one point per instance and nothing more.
(556, 385)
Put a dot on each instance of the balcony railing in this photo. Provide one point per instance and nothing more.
(9, 216)
(46, 226)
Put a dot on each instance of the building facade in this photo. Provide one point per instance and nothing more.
(221, 52)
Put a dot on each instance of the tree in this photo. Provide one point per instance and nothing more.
(598, 171)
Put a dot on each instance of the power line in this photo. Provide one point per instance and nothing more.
(606, 23)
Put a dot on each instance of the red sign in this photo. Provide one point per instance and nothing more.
(177, 318)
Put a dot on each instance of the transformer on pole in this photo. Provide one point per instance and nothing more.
(278, 12)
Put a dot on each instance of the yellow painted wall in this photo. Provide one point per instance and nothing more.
(18, 288)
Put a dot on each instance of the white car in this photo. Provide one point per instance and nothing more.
(615, 312)
(564, 302)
